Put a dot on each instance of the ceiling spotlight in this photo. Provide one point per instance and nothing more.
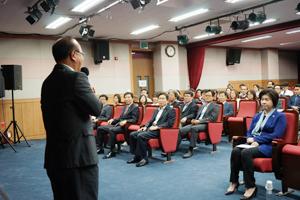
(86, 32)
(298, 9)
(49, 5)
(34, 14)
(213, 29)
(182, 40)
(240, 25)
(139, 3)
(257, 17)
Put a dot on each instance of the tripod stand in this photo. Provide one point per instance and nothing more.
(16, 128)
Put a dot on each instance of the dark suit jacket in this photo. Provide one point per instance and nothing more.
(106, 113)
(166, 120)
(132, 115)
(211, 114)
(67, 102)
(190, 111)
(292, 101)
(175, 103)
(228, 109)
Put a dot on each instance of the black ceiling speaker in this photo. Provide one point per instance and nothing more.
(101, 50)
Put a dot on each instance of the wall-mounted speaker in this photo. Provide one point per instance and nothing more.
(12, 76)
(233, 55)
(2, 85)
(101, 50)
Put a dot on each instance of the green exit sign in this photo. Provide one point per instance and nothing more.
(144, 45)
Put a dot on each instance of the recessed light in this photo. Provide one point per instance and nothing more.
(109, 6)
(267, 21)
(257, 38)
(205, 36)
(58, 22)
(188, 15)
(233, 1)
(145, 29)
(161, 2)
(86, 5)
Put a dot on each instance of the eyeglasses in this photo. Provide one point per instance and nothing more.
(80, 52)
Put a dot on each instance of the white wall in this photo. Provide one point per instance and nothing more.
(255, 65)
(216, 74)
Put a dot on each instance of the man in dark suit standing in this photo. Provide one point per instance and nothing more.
(67, 102)
(163, 117)
(130, 115)
(207, 113)
(188, 109)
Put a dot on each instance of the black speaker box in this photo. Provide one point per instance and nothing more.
(12, 77)
(2, 85)
(135, 4)
(233, 56)
(101, 50)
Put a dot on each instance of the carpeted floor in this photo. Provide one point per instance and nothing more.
(204, 176)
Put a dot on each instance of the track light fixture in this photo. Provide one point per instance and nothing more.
(182, 39)
(86, 32)
(48, 5)
(213, 29)
(34, 14)
(259, 17)
(139, 3)
(240, 25)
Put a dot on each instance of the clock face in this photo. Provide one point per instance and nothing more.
(170, 50)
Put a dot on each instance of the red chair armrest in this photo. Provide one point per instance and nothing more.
(169, 138)
(215, 131)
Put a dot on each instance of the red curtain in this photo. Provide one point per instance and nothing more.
(195, 58)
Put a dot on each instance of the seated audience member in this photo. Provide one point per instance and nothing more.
(257, 89)
(163, 117)
(188, 109)
(155, 99)
(251, 95)
(173, 98)
(227, 107)
(229, 86)
(117, 99)
(228, 91)
(206, 113)
(294, 101)
(270, 85)
(143, 101)
(130, 114)
(180, 96)
(146, 93)
(285, 90)
(106, 112)
(277, 89)
(266, 126)
(198, 94)
(243, 91)
(233, 95)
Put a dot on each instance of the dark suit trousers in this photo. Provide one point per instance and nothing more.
(74, 183)
(194, 130)
(242, 159)
(112, 131)
(138, 142)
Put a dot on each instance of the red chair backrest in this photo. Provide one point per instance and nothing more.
(221, 110)
(234, 104)
(248, 108)
(291, 131)
(177, 117)
(141, 115)
(283, 101)
(149, 110)
(118, 111)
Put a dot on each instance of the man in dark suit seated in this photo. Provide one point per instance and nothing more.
(163, 117)
(227, 107)
(67, 102)
(294, 101)
(173, 98)
(130, 115)
(188, 109)
(106, 112)
(206, 113)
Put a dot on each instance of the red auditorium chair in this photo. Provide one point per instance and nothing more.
(234, 104)
(122, 137)
(214, 130)
(117, 111)
(290, 166)
(168, 138)
(237, 126)
(284, 103)
(268, 165)
(149, 110)
(102, 123)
